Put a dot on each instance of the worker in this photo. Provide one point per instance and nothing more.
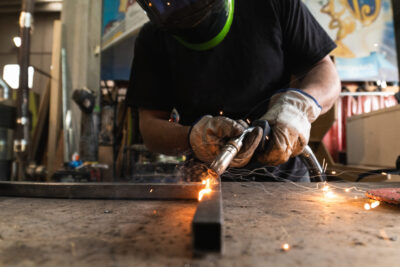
(225, 63)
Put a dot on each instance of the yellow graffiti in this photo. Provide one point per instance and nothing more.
(347, 24)
(344, 26)
(363, 13)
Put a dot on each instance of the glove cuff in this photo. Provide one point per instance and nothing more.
(299, 91)
(293, 102)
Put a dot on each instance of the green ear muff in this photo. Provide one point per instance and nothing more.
(217, 39)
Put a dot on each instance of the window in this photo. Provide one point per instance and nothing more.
(11, 75)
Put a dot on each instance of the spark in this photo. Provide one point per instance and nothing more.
(151, 190)
(367, 206)
(248, 121)
(285, 247)
(375, 204)
(326, 167)
(150, 4)
(384, 173)
(347, 190)
(330, 194)
(221, 113)
(333, 172)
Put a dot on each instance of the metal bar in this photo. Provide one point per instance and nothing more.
(101, 190)
(207, 223)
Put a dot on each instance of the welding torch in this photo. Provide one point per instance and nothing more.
(233, 146)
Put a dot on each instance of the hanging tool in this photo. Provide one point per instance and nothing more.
(232, 148)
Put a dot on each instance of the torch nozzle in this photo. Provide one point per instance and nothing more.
(228, 153)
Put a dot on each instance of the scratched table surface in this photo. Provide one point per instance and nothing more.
(259, 219)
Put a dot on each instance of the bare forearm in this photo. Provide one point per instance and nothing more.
(162, 136)
(323, 83)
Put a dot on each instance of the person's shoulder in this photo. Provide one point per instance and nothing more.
(149, 32)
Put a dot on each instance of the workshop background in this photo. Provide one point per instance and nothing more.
(64, 73)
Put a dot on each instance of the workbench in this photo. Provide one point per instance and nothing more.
(258, 219)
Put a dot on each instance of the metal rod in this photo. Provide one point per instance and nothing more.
(188, 191)
(207, 223)
(65, 105)
(21, 141)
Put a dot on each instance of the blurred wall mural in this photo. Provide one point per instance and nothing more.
(120, 17)
(364, 33)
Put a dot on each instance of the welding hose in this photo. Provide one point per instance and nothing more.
(317, 174)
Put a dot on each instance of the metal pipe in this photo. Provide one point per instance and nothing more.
(22, 137)
(65, 105)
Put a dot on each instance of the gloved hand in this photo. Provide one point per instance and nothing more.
(290, 114)
(210, 134)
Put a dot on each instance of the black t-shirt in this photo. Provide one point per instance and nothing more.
(269, 40)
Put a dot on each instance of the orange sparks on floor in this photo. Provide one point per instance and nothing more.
(207, 188)
(375, 204)
(330, 194)
(285, 247)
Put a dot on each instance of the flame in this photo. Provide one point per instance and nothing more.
(367, 206)
(206, 189)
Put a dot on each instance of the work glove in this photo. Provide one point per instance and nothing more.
(290, 114)
(208, 136)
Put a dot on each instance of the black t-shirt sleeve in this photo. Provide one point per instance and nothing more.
(305, 42)
(149, 80)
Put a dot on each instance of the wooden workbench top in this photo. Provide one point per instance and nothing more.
(259, 218)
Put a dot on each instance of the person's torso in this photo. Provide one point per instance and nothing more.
(236, 77)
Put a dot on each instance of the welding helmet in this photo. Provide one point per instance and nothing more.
(197, 24)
